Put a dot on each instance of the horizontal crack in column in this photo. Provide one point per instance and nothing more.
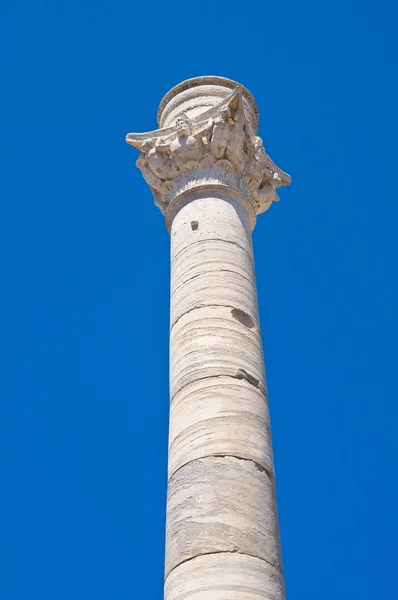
(204, 306)
(251, 281)
(270, 473)
(226, 552)
(212, 240)
(239, 376)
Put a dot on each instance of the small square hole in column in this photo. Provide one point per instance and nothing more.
(194, 225)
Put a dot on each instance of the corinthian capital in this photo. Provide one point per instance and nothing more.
(208, 137)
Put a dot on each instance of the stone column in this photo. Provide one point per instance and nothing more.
(210, 176)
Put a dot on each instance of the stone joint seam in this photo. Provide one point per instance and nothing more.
(211, 240)
(226, 552)
(270, 473)
(199, 306)
(237, 376)
(207, 273)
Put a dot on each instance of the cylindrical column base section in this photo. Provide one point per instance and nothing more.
(221, 504)
(225, 576)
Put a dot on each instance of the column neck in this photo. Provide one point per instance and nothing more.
(204, 190)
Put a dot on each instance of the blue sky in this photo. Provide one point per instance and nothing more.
(85, 287)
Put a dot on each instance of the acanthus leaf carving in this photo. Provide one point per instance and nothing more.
(218, 146)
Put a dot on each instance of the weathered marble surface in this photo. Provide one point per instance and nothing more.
(212, 266)
(196, 96)
(214, 317)
(219, 416)
(209, 342)
(225, 576)
(221, 504)
(218, 218)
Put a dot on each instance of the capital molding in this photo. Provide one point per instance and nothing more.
(218, 147)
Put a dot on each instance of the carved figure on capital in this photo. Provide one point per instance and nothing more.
(152, 180)
(221, 129)
(155, 182)
(220, 145)
(185, 147)
(158, 158)
(236, 148)
(257, 171)
(264, 196)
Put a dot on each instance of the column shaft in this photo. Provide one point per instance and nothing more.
(222, 527)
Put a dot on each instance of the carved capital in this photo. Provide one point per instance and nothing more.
(217, 147)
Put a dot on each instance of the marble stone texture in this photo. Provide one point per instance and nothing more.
(225, 576)
(214, 316)
(219, 416)
(209, 342)
(213, 273)
(221, 494)
(195, 96)
(218, 217)
(221, 504)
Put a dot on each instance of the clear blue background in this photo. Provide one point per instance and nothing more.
(85, 287)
